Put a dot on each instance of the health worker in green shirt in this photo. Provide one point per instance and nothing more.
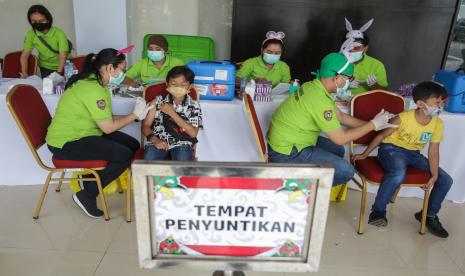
(155, 67)
(294, 133)
(268, 65)
(50, 42)
(369, 72)
(84, 127)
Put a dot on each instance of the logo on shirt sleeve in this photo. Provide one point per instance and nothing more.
(328, 115)
(101, 104)
(425, 137)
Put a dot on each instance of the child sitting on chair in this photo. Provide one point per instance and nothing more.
(400, 147)
(172, 126)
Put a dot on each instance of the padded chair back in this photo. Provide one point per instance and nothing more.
(12, 65)
(78, 61)
(256, 128)
(366, 105)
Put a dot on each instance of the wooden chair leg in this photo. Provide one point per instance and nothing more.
(424, 212)
(341, 192)
(42, 196)
(128, 196)
(102, 196)
(62, 175)
(120, 187)
(361, 219)
(394, 195)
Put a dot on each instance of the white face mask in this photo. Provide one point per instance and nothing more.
(432, 110)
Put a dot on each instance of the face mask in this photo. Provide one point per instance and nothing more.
(355, 56)
(432, 110)
(41, 26)
(177, 92)
(271, 59)
(342, 90)
(118, 80)
(156, 55)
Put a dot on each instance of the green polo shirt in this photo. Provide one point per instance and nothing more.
(56, 38)
(254, 68)
(299, 120)
(78, 111)
(368, 66)
(145, 69)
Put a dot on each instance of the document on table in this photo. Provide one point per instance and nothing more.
(281, 88)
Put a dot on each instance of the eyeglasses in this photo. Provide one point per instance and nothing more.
(351, 78)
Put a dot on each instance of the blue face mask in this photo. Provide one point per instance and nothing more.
(355, 56)
(271, 59)
(118, 80)
(342, 90)
(156, 55)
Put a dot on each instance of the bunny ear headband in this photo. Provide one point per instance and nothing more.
(274, 35)
(357, 33)
(125, 50)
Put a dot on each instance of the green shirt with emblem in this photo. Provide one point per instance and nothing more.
(146, 71)
(254, 68)
(368, 66)
(299, 120)
(78, 111)
(55, 37)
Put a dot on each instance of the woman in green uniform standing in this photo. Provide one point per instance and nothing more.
(50, 42)
(84, 128)
(267, 65)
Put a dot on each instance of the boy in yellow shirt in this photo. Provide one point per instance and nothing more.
(400, 147)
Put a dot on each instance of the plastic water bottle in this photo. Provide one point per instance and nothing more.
(250, 88)
(69, 70)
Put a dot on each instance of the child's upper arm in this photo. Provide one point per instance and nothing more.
(388, 131)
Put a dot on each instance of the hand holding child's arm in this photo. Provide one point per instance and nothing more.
(377, 140)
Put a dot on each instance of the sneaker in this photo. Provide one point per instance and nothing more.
(434, 226)
(89, 206)
(378, 219)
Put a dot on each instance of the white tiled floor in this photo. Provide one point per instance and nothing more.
(65, 242)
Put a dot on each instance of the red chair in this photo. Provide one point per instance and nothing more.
(365, 106)
(12, 65)
(256, 128)
(78, 61)
(33, 118)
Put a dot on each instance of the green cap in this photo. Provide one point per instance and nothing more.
(335, 64)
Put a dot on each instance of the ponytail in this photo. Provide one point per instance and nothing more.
(93, 63)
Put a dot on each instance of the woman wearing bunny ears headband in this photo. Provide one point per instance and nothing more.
(294, 133)
(369, 73)
(268, 65)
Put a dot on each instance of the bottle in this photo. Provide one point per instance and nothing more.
(250, 88)
(294, 87)
(69, 70)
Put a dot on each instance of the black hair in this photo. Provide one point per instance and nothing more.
(94, 62)
(42, 10)
(365, 40)
(272, 41)
(181, 71)
(428, 89)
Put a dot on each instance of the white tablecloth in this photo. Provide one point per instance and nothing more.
(226, 136)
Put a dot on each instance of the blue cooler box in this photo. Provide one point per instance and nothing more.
(454, 83)
(214, 80)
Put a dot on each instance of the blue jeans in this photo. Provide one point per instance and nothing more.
(181, 153)
(395, 161)
(324, 152)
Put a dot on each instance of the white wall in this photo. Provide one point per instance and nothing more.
(95, 29)
(14, 24)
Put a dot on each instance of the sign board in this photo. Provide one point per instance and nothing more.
(231, 216)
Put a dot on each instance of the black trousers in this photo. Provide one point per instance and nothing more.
(44, 72)
(117, 148)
